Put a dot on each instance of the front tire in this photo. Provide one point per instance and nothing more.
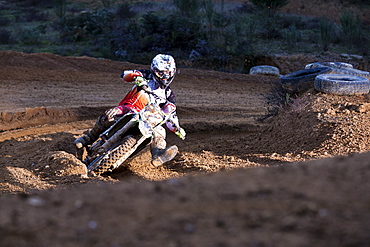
(112, 160)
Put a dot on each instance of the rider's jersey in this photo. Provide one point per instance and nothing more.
(137, 99)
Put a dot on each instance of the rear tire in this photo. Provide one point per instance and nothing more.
(108, 162)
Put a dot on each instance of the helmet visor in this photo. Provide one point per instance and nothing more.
(163, 74)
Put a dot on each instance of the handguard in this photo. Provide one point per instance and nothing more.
(140, 81)
(181, 133)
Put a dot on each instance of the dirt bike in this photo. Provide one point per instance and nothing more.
(129, 135)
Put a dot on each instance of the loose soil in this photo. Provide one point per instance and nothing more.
(256, 168)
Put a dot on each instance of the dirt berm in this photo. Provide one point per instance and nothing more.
(251, 172)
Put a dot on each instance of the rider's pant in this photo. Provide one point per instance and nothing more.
(159, 140)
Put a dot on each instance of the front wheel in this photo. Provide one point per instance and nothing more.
(113, 158)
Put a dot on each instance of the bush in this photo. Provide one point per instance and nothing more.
(34, 3)
(86, 26)
(108, 3)
(292, 36)
(366, 2)
(327, 33)
(4, 21)
(182, 32)
(270, 6)
(188, 8)
(60, 9)
(5, 37)
(271, 29)
(124, 12)
(29, 36)
(153, 33)
(34, 15)
(351, 28)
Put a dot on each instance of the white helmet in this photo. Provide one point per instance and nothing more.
(163, 68)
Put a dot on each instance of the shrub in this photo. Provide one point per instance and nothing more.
(60, 9)
(209, 9)
(292, 36)
(4, 21)
(108, 3)
(272, 31)
(29, 36)
(34, 3)
(327, 33)
(351, 28)
(270, 6)
(123, 11)
(35, 15)
(86, 26)
(5, 37)
(169, 32)
(366, 2)
(188, 8)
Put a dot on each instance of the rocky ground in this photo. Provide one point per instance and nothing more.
(257, 168)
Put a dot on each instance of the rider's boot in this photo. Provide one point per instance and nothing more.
(92, 135)
(161, 156)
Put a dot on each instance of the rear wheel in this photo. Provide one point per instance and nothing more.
(111, 160)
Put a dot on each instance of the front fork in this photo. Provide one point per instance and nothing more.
(116, 137)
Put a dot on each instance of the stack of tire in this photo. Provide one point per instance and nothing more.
(328, 77)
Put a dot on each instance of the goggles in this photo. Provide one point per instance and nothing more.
(162, 74)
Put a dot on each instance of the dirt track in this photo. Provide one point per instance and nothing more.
(235, 181)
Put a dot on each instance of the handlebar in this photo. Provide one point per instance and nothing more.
(146, 88)
(142, 82)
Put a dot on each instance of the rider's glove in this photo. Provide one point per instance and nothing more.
(181, 133)
(140, 81)
(110, 113)
(130, 75)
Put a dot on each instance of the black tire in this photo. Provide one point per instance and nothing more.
(342, 84)
(302, 80)
(265, 70)
(105, 163)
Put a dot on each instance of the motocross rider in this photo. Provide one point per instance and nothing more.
(158, 78)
